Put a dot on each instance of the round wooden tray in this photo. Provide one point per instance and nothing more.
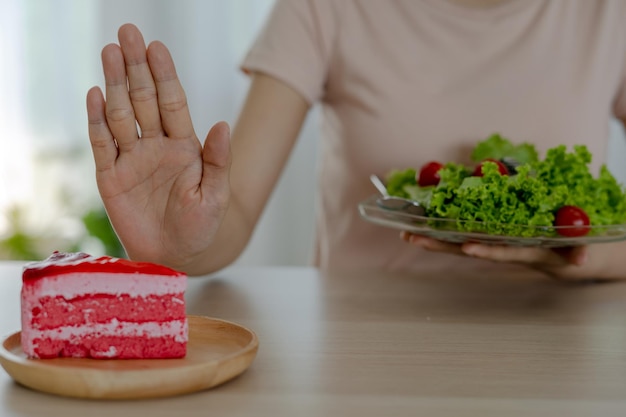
(217, 351)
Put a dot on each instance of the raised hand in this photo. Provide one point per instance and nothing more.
(164, 192)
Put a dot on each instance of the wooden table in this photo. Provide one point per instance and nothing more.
(443, 343)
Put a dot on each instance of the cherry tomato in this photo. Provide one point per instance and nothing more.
(478, 171)
(575, 218)
(429, 174)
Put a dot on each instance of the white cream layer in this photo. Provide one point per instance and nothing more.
(77, 284)
(176, 328)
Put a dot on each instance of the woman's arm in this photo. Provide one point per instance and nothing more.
(171, 199)
(262, 140)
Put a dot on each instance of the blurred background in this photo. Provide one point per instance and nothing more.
(50, 57)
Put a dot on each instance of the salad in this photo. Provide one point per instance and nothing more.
(511, 191)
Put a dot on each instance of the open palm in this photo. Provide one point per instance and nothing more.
(164, 192)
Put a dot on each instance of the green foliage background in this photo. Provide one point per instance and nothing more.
(19, 243)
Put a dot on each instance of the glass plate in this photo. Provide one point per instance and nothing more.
(447, 229)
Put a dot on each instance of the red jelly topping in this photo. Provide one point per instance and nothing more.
(61, 262)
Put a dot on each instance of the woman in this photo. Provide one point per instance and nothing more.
(400, 83)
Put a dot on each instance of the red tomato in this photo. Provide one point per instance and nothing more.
(478, 171)
(575, 218)
(429, 174)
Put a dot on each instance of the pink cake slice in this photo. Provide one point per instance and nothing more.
(77, 305)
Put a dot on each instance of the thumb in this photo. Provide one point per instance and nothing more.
(216, 160)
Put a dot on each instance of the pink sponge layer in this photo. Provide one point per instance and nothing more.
(112, 347)
(54, 312)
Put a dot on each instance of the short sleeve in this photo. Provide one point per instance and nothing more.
(296, 44)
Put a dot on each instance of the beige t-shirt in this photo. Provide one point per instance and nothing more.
(402, 82)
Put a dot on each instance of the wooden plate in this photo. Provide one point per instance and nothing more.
(217, 351)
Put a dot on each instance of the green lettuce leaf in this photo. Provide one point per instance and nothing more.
(498, 147)
(397, 179)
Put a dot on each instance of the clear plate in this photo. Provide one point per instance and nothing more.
(447, 229)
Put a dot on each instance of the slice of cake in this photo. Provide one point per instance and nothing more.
(77, 305)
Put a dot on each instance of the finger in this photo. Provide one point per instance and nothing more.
(525, 255)
(101, 138)
(171, 96)
(432, 244)
(217, 158)
(141, 88)
(576, 255)
(119, 110)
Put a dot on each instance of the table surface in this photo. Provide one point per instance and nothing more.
(440, 343)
